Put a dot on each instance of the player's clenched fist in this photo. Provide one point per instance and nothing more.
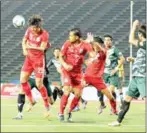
(130, 59)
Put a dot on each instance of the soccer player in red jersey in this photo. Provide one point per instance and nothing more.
(95, 70)
(72, 58)
(34, 43)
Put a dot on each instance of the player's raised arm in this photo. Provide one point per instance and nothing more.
(132, 38)
(44, 43)
(24, 44)
(25, 41)
(41, 48)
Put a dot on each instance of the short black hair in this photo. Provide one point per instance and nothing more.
(98, 39)
(77, 32)
(142, 30)
(56, 49)
(108, 35)
(35, 20)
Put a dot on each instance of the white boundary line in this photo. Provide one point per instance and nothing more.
(71, 125)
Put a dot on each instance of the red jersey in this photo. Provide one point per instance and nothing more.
(96, 68)
(36, 40)
(75, 54)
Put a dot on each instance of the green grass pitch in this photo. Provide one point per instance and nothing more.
(83, 121)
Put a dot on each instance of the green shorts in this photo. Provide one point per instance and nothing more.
(45, 82)
(111, 80)
(137, 87)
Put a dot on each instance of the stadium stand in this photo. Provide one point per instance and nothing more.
(59, 17)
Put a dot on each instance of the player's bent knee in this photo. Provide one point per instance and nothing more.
(107, 93)
(112, 88)
(77, 92)
(24, 77)
(39, 83)
(128, 98)
(67, 88)
(21, 91)
(66, 92)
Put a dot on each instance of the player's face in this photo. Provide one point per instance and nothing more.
(36, 29)
(72, 37)
(107, 42)
(56, 52)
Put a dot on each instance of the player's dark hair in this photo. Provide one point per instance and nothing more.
(56, 49)
(142, 30)
(35, 20)
(77, 32)
(98, 39)
(108, 35)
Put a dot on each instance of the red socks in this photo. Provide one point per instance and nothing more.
(63, 103)
(113, 105)
(44, 95)
(27, 89)
(74, 103)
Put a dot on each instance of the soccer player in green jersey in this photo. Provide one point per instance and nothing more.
(137, 86)
(111, 68)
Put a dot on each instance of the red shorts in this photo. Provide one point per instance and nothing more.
(38, 66)
(97, 82)
(72, 79)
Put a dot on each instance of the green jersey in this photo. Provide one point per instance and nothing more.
(139, 65)
(112, 58)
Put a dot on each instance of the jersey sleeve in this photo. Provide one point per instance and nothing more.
(64, 48)
(118, 53)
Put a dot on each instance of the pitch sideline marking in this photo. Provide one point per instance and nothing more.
(77, 125)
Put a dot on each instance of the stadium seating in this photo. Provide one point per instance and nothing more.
(98, 17)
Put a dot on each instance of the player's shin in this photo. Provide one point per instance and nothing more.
(20, 102)
(123, 111)
(63, 103)
(44, 95)
(111, 100)
(101, 98)
(27, 89)
(74, 103)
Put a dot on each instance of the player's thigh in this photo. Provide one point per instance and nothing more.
(26, 70)
(67, 89)
(47, 85)
(132, 89)
(141, 85)
(77, 92)
(24, 76)
(107, 93)
(128, 98)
